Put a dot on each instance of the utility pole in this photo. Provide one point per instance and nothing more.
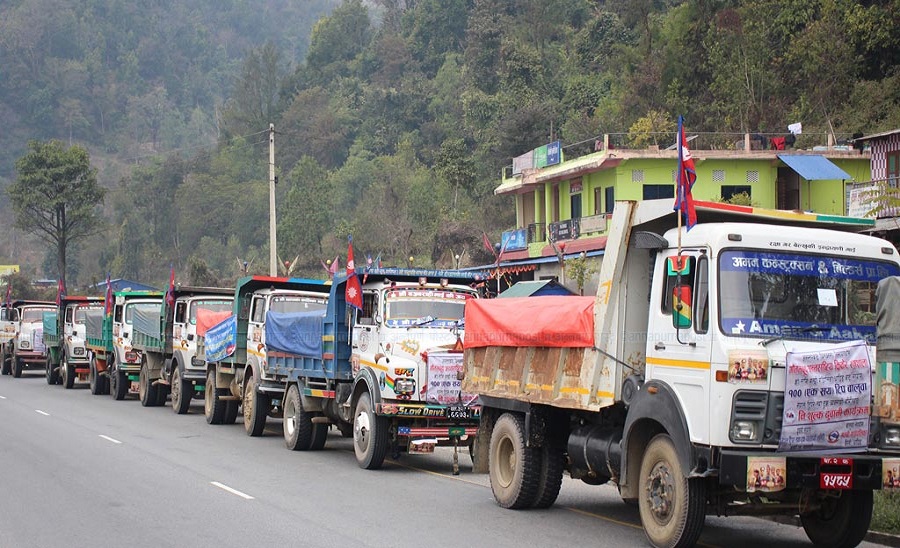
(273, 240)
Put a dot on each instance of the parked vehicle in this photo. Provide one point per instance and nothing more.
(120, 361)
(167, 340)
(386, 374)
(699, 378)
(243, 377)
(64, 340)
(25, 351)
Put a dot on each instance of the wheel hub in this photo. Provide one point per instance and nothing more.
(290, 422)
(361, 428)
(661, 492)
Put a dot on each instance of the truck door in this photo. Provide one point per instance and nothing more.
(256, 328)
(364, 330)
(69, 321)
(180, 333)
(679, 348)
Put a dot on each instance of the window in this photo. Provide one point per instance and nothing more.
(367, 314)
(653, 192)
(893, 166)
(576, 206)
(117, 314)
(637, 175)
(729, 191)
(701, 296)
(598, 201)
(610, 198)
(179, 311)
(258, 314)
(752, 176)
(70, 311)
(672, 278)
(718, 175)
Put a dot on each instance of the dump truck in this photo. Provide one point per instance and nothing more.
(115, 365)
(64, 340)
(167, 341)
(724, 370)
(25, 350)
(234, 352)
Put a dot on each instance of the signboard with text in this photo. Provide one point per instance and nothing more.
(827, 399)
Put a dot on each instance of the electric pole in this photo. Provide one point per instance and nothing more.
(273, 240)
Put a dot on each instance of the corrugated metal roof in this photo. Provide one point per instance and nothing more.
(813, 167)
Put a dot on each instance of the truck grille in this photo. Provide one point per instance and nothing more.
(766, 408)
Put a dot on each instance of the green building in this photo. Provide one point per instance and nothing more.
(562, 208)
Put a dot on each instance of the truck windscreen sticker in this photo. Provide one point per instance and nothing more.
(806, 265)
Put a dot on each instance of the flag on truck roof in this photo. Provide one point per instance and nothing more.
(685, 178)
(170, 292)
(108, 300)
(354, 289)
(8, 295)
(60, 291)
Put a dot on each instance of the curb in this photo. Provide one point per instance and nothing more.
(884, 539)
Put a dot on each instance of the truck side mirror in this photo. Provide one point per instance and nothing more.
(681, 307)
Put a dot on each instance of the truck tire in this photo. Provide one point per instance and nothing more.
(17, 367)
(300, 433)
(4, 361)
(162, 393)
(97, 382)
(182, 392)
(672, 507)
(514, 468)
(231, 412)
(370, 434)
(68, 373)
(841, 522)
(146, 389)
(553, 461)
(51, 373)
(118, 383)
(213, 407)
(256, 408)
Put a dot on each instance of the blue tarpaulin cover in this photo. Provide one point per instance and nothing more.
(297, 333)
(221, 340)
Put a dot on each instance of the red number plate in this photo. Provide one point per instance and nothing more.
(842, 478)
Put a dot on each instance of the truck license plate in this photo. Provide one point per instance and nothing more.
(836, 473)
(458, 412)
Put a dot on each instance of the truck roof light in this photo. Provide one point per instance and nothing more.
(887, 250)
(734, 238)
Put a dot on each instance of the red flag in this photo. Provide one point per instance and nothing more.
(60, 291)
(8, 295)
(685, 178)
(170, 292)
(488, 245)
(108, 300)
(353, 292)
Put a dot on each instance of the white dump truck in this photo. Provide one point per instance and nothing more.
(727, 375)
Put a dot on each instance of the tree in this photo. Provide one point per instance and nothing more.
(56, 196)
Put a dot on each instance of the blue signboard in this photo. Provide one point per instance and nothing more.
(806, 265)
(514, 240)
(221, 340)
(553, 153)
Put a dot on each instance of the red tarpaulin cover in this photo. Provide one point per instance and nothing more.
(555, 321)
(208, 318)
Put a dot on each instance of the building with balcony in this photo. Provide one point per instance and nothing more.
(562, 210)
(879, 198)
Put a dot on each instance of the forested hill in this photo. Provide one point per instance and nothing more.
(395, 118)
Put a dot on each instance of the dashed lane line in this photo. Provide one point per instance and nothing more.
(231, 490)
(107, 438)
(46, 414)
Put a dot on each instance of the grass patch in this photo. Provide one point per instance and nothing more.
(886, 514)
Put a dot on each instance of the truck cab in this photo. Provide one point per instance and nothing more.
(65, 338)
(28, 350)
(126, 360)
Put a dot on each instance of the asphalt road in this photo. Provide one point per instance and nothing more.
(78, 470)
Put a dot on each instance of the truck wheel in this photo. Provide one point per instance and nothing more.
(213, 407)
(514, 469)
(182, 391)
(300, 433)
(672, 507)
(162, 393)
(842, 521)
(4, 361)
(68, 373)
(118, 384)
(553, 462)
(370, 434)
(51, 373)
(17, 367)
(231, 411)
(256, 408)
(93, 378)
(146, 388)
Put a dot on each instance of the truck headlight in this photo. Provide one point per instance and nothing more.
(404, 386)
(24, 345)
(892, 436)
(78, 351)
(744, 431)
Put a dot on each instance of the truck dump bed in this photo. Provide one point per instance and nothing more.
(51, 328)
(147, 330)
(98, 330)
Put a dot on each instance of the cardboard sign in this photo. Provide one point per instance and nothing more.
(443, 385)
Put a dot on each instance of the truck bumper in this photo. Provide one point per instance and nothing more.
(862, 471)
(32, 360)
(194, 374)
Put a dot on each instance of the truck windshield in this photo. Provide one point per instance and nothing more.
(35, 314)
(798, 296)
(81, 312)
(217, 305)
(424, 307)
(143, 307)
(297, 304)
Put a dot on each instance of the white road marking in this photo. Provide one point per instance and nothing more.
(2, 397)
(230, 490)
(107, 438)
(42, 412)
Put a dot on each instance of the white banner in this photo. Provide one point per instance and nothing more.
(827, 399)
(443, 385)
